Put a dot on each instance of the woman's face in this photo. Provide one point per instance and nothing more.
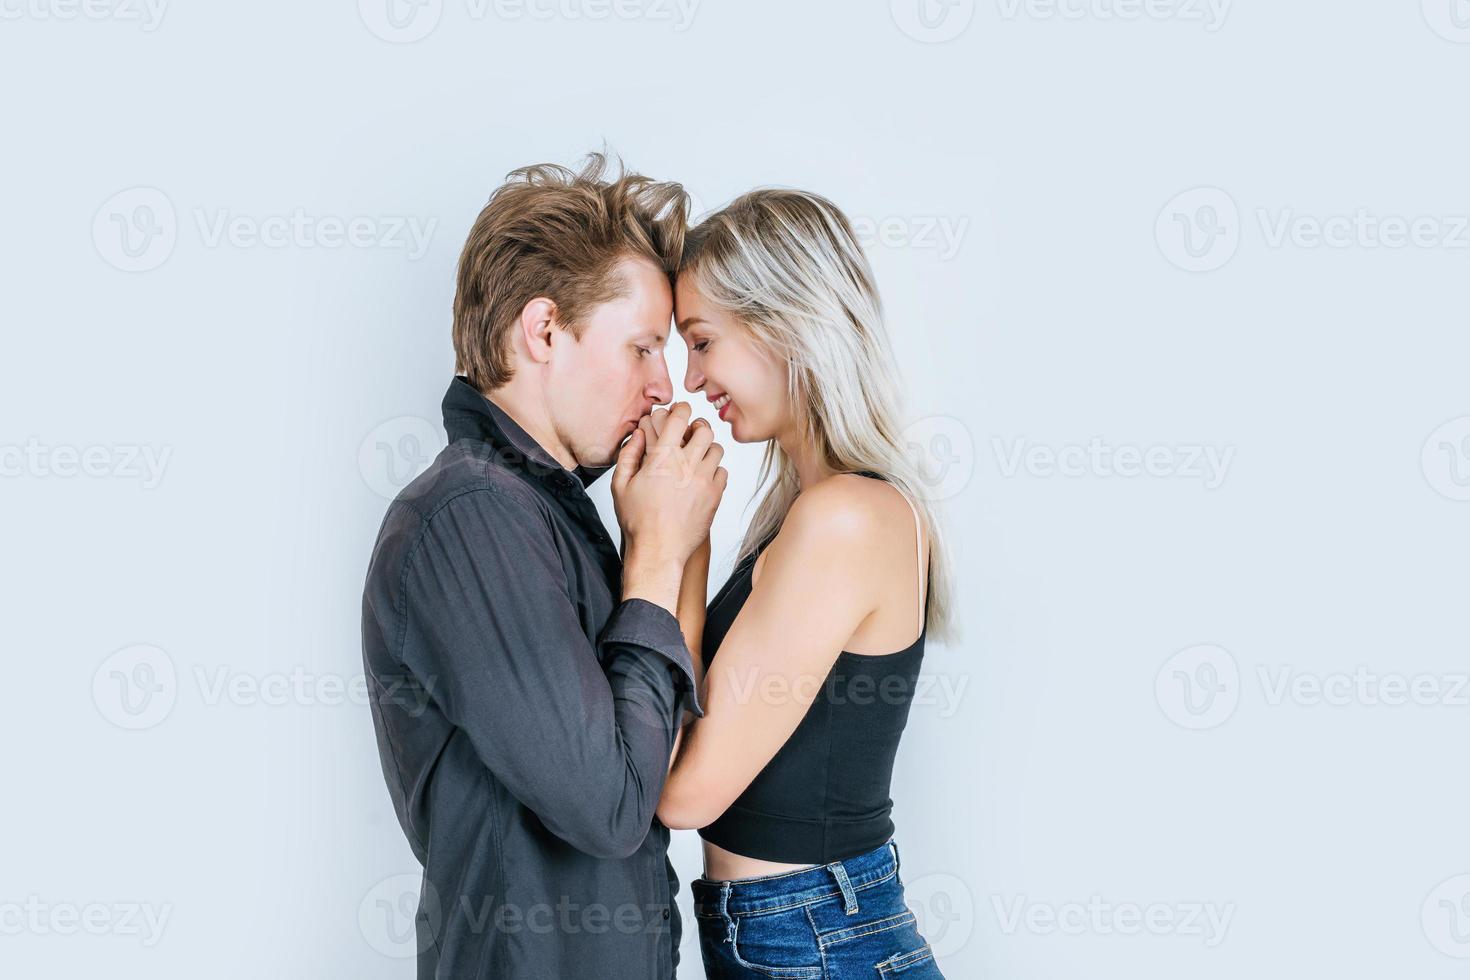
(746, 383)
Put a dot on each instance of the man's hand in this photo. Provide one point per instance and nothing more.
(656, 421)
(666, 486)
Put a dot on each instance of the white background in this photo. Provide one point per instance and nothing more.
(1130, 722)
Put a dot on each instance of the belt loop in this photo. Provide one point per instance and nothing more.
(896, 862)
(725, 911)
(849, 897)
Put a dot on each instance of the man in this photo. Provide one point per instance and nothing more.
(527, 684)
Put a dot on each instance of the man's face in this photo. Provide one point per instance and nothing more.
(599, 387)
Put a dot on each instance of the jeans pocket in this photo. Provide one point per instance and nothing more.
(778, 944)
(917, 965)
(890, 946)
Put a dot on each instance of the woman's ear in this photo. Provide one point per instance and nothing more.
(538, 319)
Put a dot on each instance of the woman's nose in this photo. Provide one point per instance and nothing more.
(693, 377)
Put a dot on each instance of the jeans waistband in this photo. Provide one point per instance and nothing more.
(790, 889)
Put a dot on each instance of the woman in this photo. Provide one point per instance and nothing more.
(810, 652)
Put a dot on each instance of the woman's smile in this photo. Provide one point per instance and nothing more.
(721, 403)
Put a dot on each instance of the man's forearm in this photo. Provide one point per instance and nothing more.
(653, 577)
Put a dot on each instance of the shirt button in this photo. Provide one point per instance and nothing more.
(666, 913)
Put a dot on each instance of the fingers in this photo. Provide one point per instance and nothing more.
(658, 417)
(674, 425)
(629, 458)
(668, 438)
(656, 456)
(659, 421)
(692, 426)
(711, 461)
(700, 437)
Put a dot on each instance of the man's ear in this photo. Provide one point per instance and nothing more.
(538, 320)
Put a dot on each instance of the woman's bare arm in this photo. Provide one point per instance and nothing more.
(817, 585)
(692, 592)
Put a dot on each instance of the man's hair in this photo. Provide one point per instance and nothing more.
(550, 232)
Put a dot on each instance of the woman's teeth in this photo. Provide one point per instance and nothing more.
(721, 402)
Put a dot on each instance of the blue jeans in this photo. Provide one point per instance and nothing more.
(838, 921)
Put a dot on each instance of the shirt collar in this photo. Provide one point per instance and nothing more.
(468, 414)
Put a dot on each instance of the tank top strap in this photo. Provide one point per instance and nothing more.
(919, 562)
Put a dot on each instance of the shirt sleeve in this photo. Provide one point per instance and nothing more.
(579, 732)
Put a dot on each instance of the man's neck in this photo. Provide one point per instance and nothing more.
(528, 410)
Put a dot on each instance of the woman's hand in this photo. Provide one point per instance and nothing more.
(654, 422)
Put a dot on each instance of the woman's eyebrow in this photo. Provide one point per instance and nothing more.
(690, 321)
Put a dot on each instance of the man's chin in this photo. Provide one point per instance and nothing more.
(604, 453)
(596, 458)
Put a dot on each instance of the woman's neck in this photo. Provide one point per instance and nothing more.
(811, 468)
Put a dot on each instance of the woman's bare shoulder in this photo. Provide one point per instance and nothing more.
(851, 497)
(849, 511)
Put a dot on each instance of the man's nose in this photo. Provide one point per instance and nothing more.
(661, 388)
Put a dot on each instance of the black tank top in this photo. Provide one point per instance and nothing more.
(824, 796)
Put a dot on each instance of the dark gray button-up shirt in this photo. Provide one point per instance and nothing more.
(524, 716)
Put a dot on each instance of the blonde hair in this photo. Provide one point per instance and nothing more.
(787, 265)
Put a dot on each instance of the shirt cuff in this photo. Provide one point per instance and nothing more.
(639, 622)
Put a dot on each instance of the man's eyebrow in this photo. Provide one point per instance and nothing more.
(690, 321)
